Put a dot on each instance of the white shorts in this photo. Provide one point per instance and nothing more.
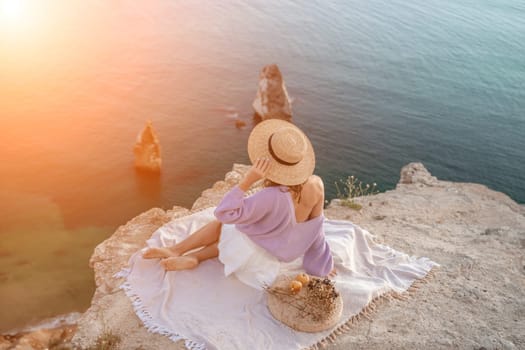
(249, 262)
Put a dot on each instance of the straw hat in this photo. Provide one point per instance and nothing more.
(289, 148)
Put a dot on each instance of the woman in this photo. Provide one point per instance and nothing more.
(281, 223)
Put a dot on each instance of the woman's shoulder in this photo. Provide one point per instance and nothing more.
(314, 182)
(314, 186)
(312, 191)
(271, 191)
(270, 198)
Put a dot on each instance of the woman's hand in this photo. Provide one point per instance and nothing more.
(258, 171)
(332, 273)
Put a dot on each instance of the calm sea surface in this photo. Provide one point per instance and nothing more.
(376, 84)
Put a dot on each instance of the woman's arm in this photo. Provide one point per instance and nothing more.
(234, 208)
(318, 259)
(255, 173)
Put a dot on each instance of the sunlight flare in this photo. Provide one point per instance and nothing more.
(11, 10)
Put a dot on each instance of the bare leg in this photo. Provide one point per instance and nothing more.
(192, 260)
(206, 235)
(179, 263)
(157, 253)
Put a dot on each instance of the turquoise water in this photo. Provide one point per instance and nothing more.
(376, 84)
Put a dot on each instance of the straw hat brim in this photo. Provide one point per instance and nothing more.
(288, 175)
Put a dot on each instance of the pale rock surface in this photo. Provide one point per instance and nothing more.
(272, 100)
(147, 150)
(477, 298)
(416, 173)
(475, 301)
(111, 310)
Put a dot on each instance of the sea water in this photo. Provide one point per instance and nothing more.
(375, 84)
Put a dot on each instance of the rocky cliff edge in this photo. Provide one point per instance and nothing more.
(475, 301)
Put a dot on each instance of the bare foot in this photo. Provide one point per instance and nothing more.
(179, 263)
(158, 253)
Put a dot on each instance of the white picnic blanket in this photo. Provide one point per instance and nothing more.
(211, 311)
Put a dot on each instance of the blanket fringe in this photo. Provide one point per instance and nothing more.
(147, 320)
(370, 309)
(123, 273)
(366, 312)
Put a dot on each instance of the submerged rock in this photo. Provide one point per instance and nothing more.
(45, 338)
(239, 124)
(272, 100)
(147, 150)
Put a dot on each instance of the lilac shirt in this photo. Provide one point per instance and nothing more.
(268, 218)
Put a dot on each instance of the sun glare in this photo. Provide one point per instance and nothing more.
(17, 18)
(11, 9)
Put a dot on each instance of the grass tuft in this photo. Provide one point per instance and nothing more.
(351, 204)
(352, 188)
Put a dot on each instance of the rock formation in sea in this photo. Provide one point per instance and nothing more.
(476, 299)
(147, 150)
(272, 100)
